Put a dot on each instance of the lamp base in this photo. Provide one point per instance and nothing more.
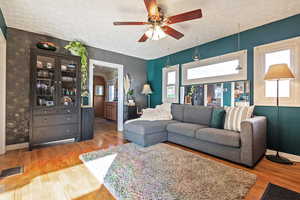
(278, 159)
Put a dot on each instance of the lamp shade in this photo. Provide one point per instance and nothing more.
(146, 89)
(279, 72)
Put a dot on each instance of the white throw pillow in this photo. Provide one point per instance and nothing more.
(160, 112)
(235, 115)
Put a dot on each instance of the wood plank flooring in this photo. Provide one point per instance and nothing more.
(56, 173)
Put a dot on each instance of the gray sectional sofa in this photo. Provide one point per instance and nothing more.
(190, 127)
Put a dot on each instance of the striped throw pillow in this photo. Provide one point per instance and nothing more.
(235, 115)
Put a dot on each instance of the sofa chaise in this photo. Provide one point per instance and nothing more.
(190, 127)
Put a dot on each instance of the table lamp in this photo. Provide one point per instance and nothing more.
(147, 91)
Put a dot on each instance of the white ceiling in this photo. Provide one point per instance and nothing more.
(92, 21)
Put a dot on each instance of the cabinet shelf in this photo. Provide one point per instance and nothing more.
(44, 78)
(52, 70)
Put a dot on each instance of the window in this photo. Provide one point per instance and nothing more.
(171, 84)
(282, 56)
(99, 90)
(265, 92)
(111, 93)
(217, 69)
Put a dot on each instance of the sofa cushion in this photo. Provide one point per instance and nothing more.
(219, 136)
(147, 127)
(186, 129)
(197, 114)
(217, 118)
(177, 111)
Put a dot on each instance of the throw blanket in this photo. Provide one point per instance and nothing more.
(160, 112)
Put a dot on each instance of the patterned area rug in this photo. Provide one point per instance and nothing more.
(164, 172)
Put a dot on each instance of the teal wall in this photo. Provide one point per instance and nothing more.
(3, 26)
(227, 94)
(276, 31)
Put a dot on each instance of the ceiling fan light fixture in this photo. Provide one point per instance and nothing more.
(155, 33)
(160, 23)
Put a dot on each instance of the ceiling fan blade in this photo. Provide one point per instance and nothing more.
(130, 23)
(143, 38)
(152, 9)
(185, 16)
(172, 32)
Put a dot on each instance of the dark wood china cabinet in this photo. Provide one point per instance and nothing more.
(55, 97)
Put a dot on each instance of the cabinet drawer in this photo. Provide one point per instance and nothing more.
(44, 111)
(54, 120)
(68, 110)
(54, 133)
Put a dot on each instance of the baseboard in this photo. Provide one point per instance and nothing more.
(17, 146)
(291, 157)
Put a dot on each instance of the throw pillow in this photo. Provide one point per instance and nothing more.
(217, 118)
(235, 115)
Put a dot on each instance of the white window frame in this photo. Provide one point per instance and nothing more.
(166, 70)
(2, 92)
(259, 73)
(241, 75)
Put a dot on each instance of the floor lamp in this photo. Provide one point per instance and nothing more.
(147, 91)
(278, 72)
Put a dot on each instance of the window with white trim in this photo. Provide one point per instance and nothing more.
(170, 84)
(217, 69)
(277, 57)
(265, 92)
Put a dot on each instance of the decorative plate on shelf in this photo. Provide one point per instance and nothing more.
(46, 46)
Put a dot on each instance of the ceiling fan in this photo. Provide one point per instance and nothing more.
(159, 24)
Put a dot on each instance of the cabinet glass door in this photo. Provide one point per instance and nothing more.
(45, 81)
(68, 83)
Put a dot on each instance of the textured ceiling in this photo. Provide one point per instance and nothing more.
(91, 21)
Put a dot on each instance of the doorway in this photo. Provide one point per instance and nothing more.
(2, 91)
(107, 94)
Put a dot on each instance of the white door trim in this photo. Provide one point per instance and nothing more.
(120, 86)
(2, 92)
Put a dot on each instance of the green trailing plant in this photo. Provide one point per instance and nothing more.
(192, 91)
(130, 93)
(78, 48)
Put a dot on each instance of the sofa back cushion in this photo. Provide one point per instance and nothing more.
(177, 111)
(197, 114)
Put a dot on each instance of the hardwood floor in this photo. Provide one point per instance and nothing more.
(57, 173)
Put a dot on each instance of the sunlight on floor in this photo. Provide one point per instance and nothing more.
(66, 184)
(99, 167)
